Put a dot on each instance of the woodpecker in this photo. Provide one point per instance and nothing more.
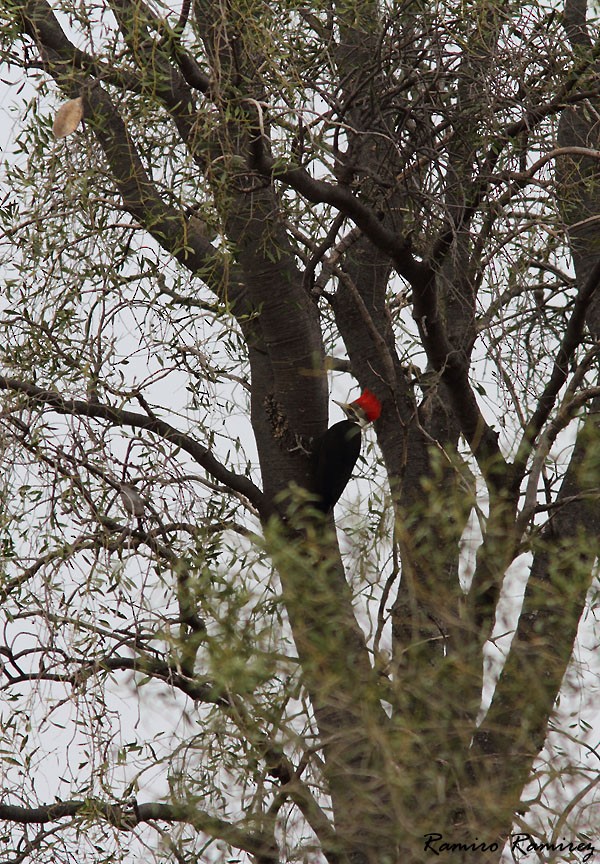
(337, 450)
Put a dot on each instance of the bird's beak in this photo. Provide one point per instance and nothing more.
(346, 408)
(351, 412)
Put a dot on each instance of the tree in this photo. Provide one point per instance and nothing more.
(248, 200)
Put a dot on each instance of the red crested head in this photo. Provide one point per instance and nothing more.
(369, 404)
(364, 410)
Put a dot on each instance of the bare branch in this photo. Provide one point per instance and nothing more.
(340, 197)
(119, 417)
(571, 340)
(253, 842)
(454, 372)
(571, 404)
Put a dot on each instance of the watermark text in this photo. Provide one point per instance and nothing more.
(520, 844)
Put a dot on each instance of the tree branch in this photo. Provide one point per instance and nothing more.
(254, 842)
(41, 21)
(340, 197)
(454, 372)
(119, 417)
(199, 691)
(141, 199)
(152, 667)
(170, 85)
(570, 342)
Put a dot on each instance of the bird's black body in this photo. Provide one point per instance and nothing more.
(334, 460)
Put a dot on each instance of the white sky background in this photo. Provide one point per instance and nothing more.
(156, 711)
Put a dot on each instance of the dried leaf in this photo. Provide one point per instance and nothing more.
(68, 117)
